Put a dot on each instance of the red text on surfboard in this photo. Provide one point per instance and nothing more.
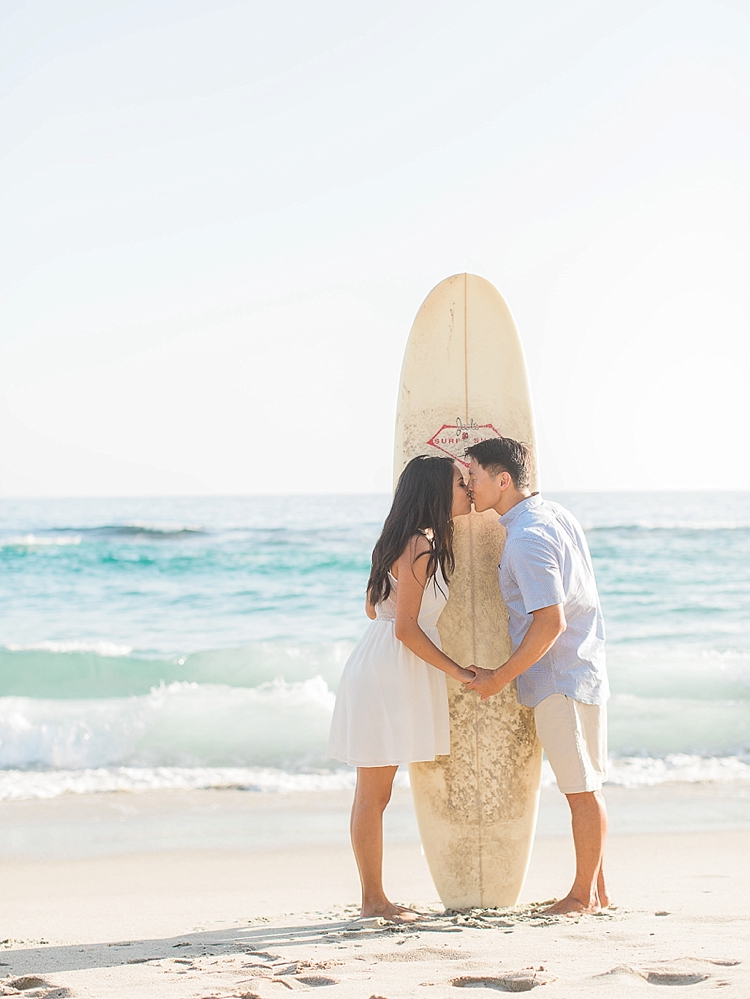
(453, 438)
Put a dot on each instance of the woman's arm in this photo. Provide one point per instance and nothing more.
(369, 609)
(411, 572)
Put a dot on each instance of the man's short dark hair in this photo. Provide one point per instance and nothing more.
(503, 454)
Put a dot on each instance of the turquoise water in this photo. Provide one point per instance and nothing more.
(194, 642)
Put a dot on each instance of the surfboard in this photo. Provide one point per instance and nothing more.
(464, 379)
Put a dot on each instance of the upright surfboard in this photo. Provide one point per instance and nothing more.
(464, 379)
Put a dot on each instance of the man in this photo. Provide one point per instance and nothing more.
(557, 635)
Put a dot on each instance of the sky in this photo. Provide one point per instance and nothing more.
(219, 220)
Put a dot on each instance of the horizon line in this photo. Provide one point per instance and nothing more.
(354, 493)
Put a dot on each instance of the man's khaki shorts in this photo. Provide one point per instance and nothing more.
(574, 737)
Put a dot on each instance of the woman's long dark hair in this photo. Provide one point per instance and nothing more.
(423, 502)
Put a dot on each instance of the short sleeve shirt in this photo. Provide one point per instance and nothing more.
(546, 561)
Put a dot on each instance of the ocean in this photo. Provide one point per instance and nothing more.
(198, 642)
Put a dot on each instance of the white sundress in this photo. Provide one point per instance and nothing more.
(392, 706)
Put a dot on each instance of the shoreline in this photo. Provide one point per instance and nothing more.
(77, 826)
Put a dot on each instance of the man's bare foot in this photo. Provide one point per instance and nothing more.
(571, 905)
(387, 910)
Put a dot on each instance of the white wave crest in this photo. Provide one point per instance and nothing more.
(677, 768)
(33, 541)
(277, 724)
(24, 784)
(106, 649)
(670, 525)
(34, 784)
(140, 526)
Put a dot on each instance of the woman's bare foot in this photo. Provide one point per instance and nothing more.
(387, 910)
(601, 890)
(571, 905)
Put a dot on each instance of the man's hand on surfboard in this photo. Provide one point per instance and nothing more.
(486, 682)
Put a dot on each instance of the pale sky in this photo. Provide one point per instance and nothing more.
(220, 218)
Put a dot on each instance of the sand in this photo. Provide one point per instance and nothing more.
(264, 920)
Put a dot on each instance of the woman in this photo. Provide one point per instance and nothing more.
(392, 704)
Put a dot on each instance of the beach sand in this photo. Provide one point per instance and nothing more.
(102, 897)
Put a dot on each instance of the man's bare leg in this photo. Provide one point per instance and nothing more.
(374, 786)
(589, 820)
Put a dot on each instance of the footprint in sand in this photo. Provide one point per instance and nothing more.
(237, 995)
(514, 981)
(33, 985)
(672, 978)
(676, 975)
(311, 981)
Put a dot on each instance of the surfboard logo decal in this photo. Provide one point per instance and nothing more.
(453, 438)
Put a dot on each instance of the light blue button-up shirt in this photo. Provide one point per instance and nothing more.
(546, 561)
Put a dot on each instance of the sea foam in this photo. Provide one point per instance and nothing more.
(26, 784)
(628, 773)
(276, 724)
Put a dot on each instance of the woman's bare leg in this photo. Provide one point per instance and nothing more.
(374, 786)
